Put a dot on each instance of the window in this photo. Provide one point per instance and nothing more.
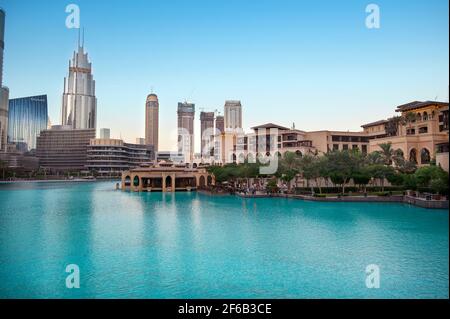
(364, 149)
(335, 147)
(425, 156)
(423, 129)
(410, 131)
(345, 147)
(413, 156)
(354, 146)
(335, 138)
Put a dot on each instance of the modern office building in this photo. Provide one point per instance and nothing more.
(63, 149)
(27, 117)
(207, 133)
(4, 97)
(152, 121)
(186, 113)
(105, 133)
(4, 92)
(112, 156)
(233, 116)
(79, 104)
(220, 124)
(19, 161)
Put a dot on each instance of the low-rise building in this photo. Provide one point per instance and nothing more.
(420, 132)
(112, 156)
(325, 141)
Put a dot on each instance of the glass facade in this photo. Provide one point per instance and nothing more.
(27, 117)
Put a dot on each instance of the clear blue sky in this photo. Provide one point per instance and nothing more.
(309, 62)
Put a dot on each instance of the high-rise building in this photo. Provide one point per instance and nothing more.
(220, 124)
(105, 133)
(152, 121)
(4, 96)
(27, 117)
(233, 115)
(63, 148)
(207, 133)
(79, 104)
(2, 42)
(186, 113)
(4, 92)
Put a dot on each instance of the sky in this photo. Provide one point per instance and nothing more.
(312, 63)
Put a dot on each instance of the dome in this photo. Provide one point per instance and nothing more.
(152, 98)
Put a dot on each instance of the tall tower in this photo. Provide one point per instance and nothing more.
(4, 92)
(152, 121)
(207, 131)
(186, 113)
(79, 104)
(233, 115)
(220, 124)
(2, 43)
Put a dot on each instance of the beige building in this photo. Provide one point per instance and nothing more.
(325, 141)
(152, 121)
(233, 116)
(420, 132)
(165, 177)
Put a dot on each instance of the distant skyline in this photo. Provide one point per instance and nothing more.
(312, 63)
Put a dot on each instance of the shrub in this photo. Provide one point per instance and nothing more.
(383, 194)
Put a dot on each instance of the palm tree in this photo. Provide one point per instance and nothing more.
(290, 164)
(387, 152)
(409, 118)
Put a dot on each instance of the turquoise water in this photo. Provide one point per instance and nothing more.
(190, 245)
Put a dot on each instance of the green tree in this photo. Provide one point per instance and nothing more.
(375, 158)
(288, 167)
(341, 166)
(3, 167)
(381, 172)
(362, 177)
(387, 152)
(433, 177)
(314, 168)
(272, 186)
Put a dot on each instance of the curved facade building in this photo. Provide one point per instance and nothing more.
(112, 156)
(152, 121)
(27, 117)
(79, 104)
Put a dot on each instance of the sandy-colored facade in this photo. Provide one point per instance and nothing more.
(165, 177)
(152, 121)
(420, 132)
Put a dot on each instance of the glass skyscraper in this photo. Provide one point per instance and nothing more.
(27, 117)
